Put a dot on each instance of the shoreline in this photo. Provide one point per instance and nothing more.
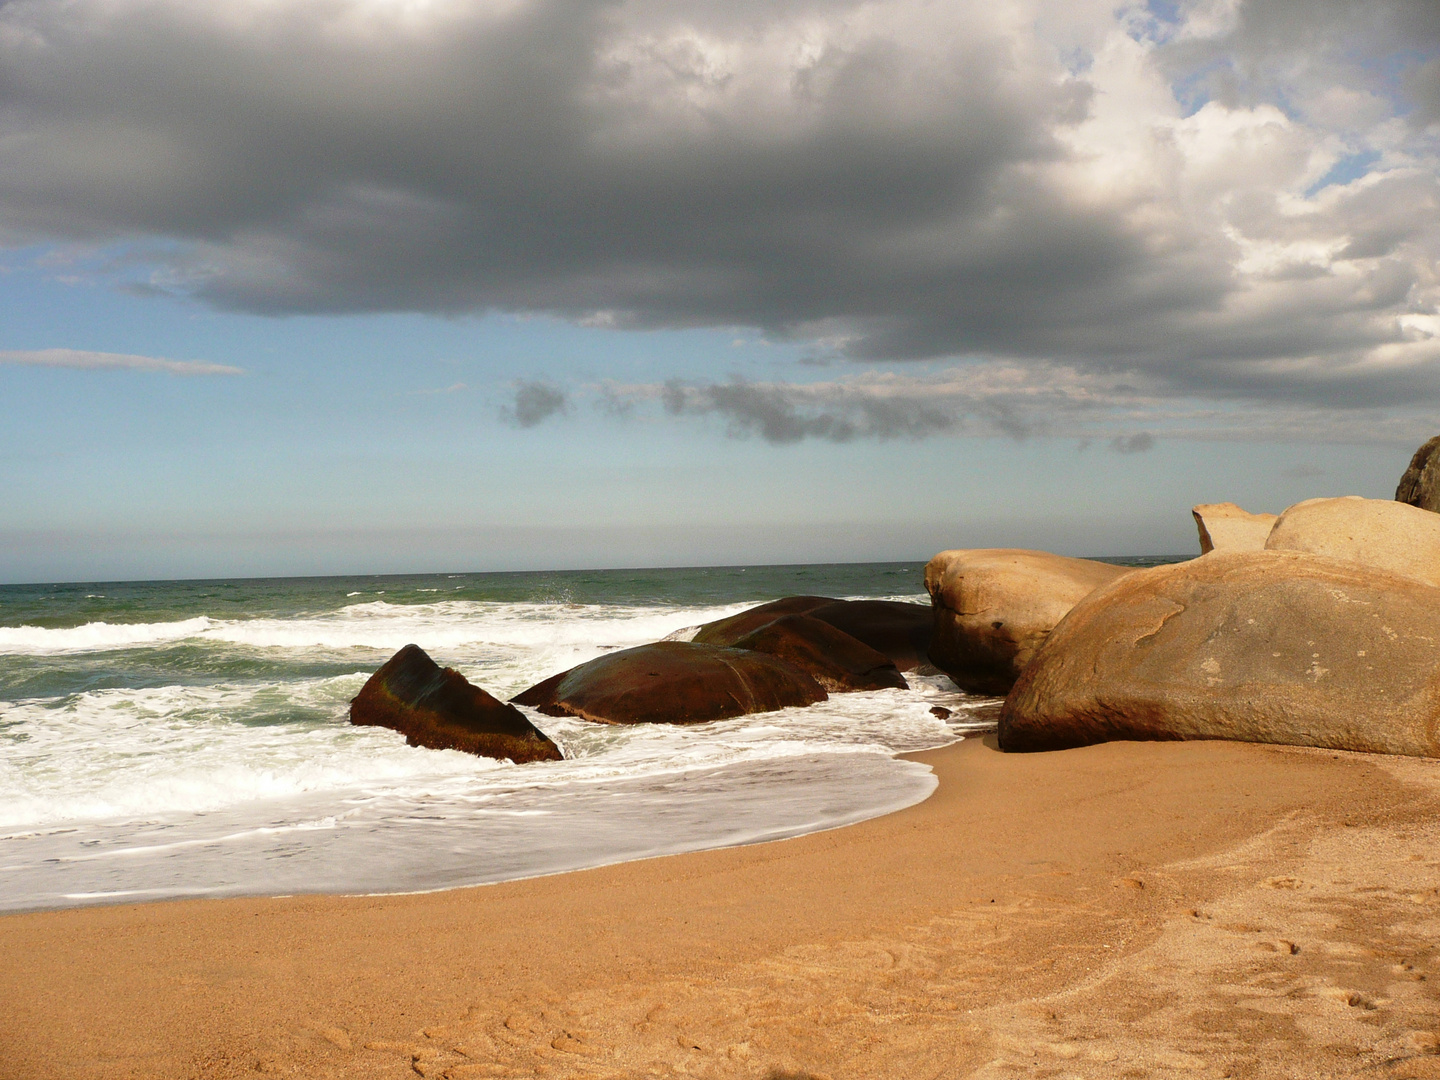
(1160, 906)
(839, 788)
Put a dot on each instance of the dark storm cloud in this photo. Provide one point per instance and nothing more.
(896, 180)
(1423, 85)
(791, 413)
(535, 402)
(1008, 399)
(1264, 33)
(1133, 444)
(980, 399)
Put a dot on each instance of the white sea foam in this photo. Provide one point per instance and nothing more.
(98, 635)
(124, 754)
(263, 786)
(378, 624)
(116, 754)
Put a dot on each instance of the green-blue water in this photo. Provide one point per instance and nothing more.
(191, 738)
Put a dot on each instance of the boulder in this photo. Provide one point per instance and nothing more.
(1377, 532)
(1259, 646)
(993, 607)
(673, 682)
(831, 657)
(899, 630)
(730, 630)
(437, 708)
(1420, 485)
(1226, 527)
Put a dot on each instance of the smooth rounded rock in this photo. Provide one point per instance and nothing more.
(1226, 527)
(1263, 646)
(729, 630)
(899, 630)
(1376, 532)
(994, 607)
(437, 708)
(673, 682)
(834, 659)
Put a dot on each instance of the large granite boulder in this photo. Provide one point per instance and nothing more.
(729, 630)
(1420, 484)
(994, 607)
(437, 708)
(673, 682)
(1226, 527)
(831, 657)
(1377, 532)
(899, 630)
(1260, 646)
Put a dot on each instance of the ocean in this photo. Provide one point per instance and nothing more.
(185, 739)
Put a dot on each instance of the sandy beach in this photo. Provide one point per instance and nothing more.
(1131, 909)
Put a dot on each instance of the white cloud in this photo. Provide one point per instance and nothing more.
(1237, 200)
(80, 358)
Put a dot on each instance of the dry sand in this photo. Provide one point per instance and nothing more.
(1146, 910)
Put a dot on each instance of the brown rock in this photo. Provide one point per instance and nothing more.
(901, 631)
(673, 682)
(730, 630)
(1226, 527)
(1259, 646)
(993, 608)
(1420, 485)
(1377, 532)
(831, 657)
(437, 708)
(817, 638)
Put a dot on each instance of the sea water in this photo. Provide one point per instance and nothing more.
(169, 739)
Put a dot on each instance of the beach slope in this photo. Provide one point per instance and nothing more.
(1128, 909)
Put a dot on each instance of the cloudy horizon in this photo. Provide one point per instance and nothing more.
(866, 229)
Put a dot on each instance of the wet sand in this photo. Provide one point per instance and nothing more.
(1128, 910)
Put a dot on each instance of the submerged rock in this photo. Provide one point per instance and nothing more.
(1420, 484)
(1263, 646)
(437, 708)
(831, 657)
(673, 682)
(1226, 527)
(899, 630)
(993, 608)
(1376, 532)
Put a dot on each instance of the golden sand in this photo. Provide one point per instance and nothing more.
(1125, 910)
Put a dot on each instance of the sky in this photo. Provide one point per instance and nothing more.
(381, 286)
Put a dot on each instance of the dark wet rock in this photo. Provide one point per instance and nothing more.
(437, 708)
(673, 682)
(899, 630)
(1260, 646)
(834, 659)
(730, 630)
(845, 644)
(1420, 484)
